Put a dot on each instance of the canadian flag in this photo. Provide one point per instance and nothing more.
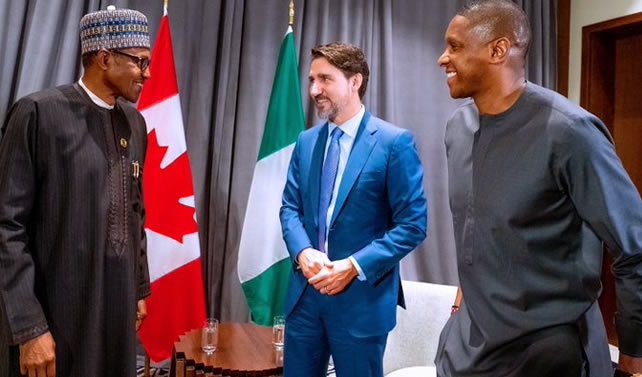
(177, 302)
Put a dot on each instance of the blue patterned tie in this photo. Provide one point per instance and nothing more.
(328, 176)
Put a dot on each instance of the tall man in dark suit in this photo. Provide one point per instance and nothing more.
(353, 206)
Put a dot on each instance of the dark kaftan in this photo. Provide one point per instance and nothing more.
(72, 244)
(534, 192)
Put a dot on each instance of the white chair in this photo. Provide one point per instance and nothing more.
(412, 344)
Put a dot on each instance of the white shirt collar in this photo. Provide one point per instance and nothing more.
(94, 98)
(351, 126)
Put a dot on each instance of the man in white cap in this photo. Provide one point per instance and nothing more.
(73, 263)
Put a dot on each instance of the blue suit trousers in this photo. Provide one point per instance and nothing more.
(318, 328)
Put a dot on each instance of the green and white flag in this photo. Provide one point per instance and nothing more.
(264, 264)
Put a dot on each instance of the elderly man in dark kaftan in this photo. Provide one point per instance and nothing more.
(73, 264)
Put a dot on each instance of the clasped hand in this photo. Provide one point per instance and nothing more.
(326, 276)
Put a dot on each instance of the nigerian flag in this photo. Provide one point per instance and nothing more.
(264, 263)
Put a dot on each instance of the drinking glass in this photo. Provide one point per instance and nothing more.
(278, 331)
(209, 335)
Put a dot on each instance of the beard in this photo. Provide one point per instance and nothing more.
(330, 113)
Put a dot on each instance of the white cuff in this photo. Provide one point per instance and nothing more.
(361, 276)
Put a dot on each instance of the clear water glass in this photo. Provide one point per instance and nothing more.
(278, 331)
(209, 335)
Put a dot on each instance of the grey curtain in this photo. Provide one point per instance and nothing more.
(225, 54)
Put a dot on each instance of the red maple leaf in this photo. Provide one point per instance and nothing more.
(162, 188)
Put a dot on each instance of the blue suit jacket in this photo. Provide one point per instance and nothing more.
(379, 217)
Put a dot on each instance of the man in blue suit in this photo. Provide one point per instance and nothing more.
(353, 206)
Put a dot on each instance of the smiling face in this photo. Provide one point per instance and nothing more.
(465, 59)
(124, 77)
(331, 90)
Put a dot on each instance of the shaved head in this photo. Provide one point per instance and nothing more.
(492, 19)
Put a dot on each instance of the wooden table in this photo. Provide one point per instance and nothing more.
(244, 349)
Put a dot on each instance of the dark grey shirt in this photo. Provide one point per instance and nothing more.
(533, 192)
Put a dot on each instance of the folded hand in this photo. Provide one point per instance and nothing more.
(311, 261)
(334, 277)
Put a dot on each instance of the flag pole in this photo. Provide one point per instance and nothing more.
(291, 12)
(165, 7)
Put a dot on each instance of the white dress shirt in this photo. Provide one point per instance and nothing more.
(349, 128)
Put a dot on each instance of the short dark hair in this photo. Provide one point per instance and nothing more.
(349, 58)
(492, 19)
(87, 59)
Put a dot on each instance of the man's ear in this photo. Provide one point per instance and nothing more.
(103, 59)
(500, 49)
(356, 80)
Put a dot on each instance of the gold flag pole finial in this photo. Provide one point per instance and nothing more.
(165, 7)
(291, 12)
